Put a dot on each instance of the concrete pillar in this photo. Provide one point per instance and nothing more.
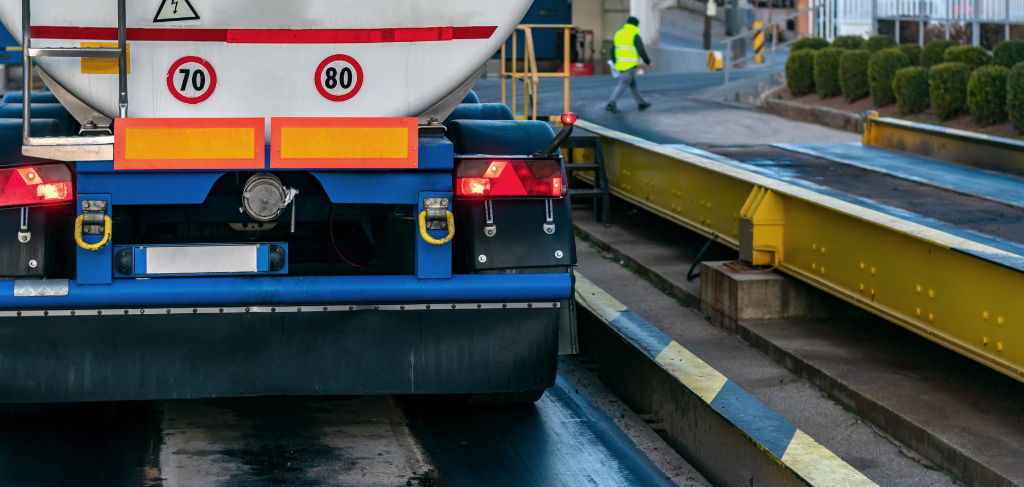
(802, 22)
(649, 14)
(732, 292)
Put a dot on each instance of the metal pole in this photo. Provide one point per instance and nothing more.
(727, 58)
(920, 25)
(771, 72)
(949, 16)
(503, 72)
(568, 68)
(1006, 32)
(122, 60)
(975, 25)
(874, 17)
(26, 72)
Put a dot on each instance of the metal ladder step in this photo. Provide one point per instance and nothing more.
(98, 52)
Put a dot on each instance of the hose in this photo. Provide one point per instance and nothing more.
(700, 256)
(434, 241)
(108, 225)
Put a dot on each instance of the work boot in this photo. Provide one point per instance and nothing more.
(644, 106)
(612, 108)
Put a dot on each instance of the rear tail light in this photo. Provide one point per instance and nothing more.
(517, 177)
(35, 185)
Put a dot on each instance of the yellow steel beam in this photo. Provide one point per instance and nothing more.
(928, 281)
(953, 145)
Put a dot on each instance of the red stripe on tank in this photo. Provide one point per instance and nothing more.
(271, 36)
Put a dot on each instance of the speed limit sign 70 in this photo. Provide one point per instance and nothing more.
(338, 78)
(191, 80)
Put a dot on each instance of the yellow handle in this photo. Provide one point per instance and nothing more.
(432, 240)
(107, 230)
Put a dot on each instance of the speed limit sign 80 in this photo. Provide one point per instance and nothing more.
(191, 80)
(338, 78)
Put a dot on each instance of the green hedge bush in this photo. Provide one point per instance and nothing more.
(800, 72)
(973, 56)
(848, 42)
(853, 74)
(947, 89)
(986, 95)
(913, 52)
(826, 72)
(877, 43)
(1008, 53)
(812, 43)
(910, 85)
(934, 53)
(1015, 97)
(881, 70)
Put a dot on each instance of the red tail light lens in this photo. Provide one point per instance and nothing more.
(525, 177)
(24, 186)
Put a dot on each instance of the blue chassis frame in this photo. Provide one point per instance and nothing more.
(433, 281)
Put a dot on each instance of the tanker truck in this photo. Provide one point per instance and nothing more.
(254, 197)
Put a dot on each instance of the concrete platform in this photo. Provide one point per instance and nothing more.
(960, 416)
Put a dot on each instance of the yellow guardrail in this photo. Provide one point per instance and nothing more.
(952, 145)
(530, 76)
(955, 292)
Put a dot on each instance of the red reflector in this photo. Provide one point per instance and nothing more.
(527, 177)
(35, 185)
(568, 118)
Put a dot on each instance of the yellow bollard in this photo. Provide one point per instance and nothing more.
(759, 43)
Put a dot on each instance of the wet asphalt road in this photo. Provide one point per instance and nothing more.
(567, 438)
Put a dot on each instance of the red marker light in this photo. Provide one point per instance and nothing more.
(509, 178)
(35, 185)
(568, 118)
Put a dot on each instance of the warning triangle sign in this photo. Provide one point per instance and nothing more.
(174, 11)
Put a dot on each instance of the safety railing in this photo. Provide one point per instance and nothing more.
(530, 75)
(75, 52)
(947, 12)
(772, 30)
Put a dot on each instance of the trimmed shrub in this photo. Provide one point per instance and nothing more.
(812, 43)
(910, 85)
(881, 70)
(1008, 53)
(947, 88)
(913, 52)
(848, 42)
(1015, 97)
(853, 75)
(986, 95)
(800, 72)
(973, 56)
(934, 52)
(877, 43)
(826, 72)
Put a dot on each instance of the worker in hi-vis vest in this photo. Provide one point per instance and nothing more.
(626, 55)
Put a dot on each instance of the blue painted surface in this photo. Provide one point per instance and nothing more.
(9, 57)
(94, 265)
(381, 187)
(641, 332)
(543, 12)
(280, 290)
(147, 188)
(966, 233)
(758, 421)
(975, 182)
(433, 261)
(436, 153)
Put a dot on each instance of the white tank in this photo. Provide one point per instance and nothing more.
(271, 58)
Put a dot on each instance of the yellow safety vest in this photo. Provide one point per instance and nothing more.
(626, 56)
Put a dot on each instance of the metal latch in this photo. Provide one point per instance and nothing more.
(549, 217)
(489, 228)
(93, 212)
(24, 235)
(437, 213)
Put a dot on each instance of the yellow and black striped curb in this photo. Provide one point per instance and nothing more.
(774, 436)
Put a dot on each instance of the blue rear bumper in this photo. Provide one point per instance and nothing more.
(282, 290)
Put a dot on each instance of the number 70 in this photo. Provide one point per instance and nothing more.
(198, 79)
